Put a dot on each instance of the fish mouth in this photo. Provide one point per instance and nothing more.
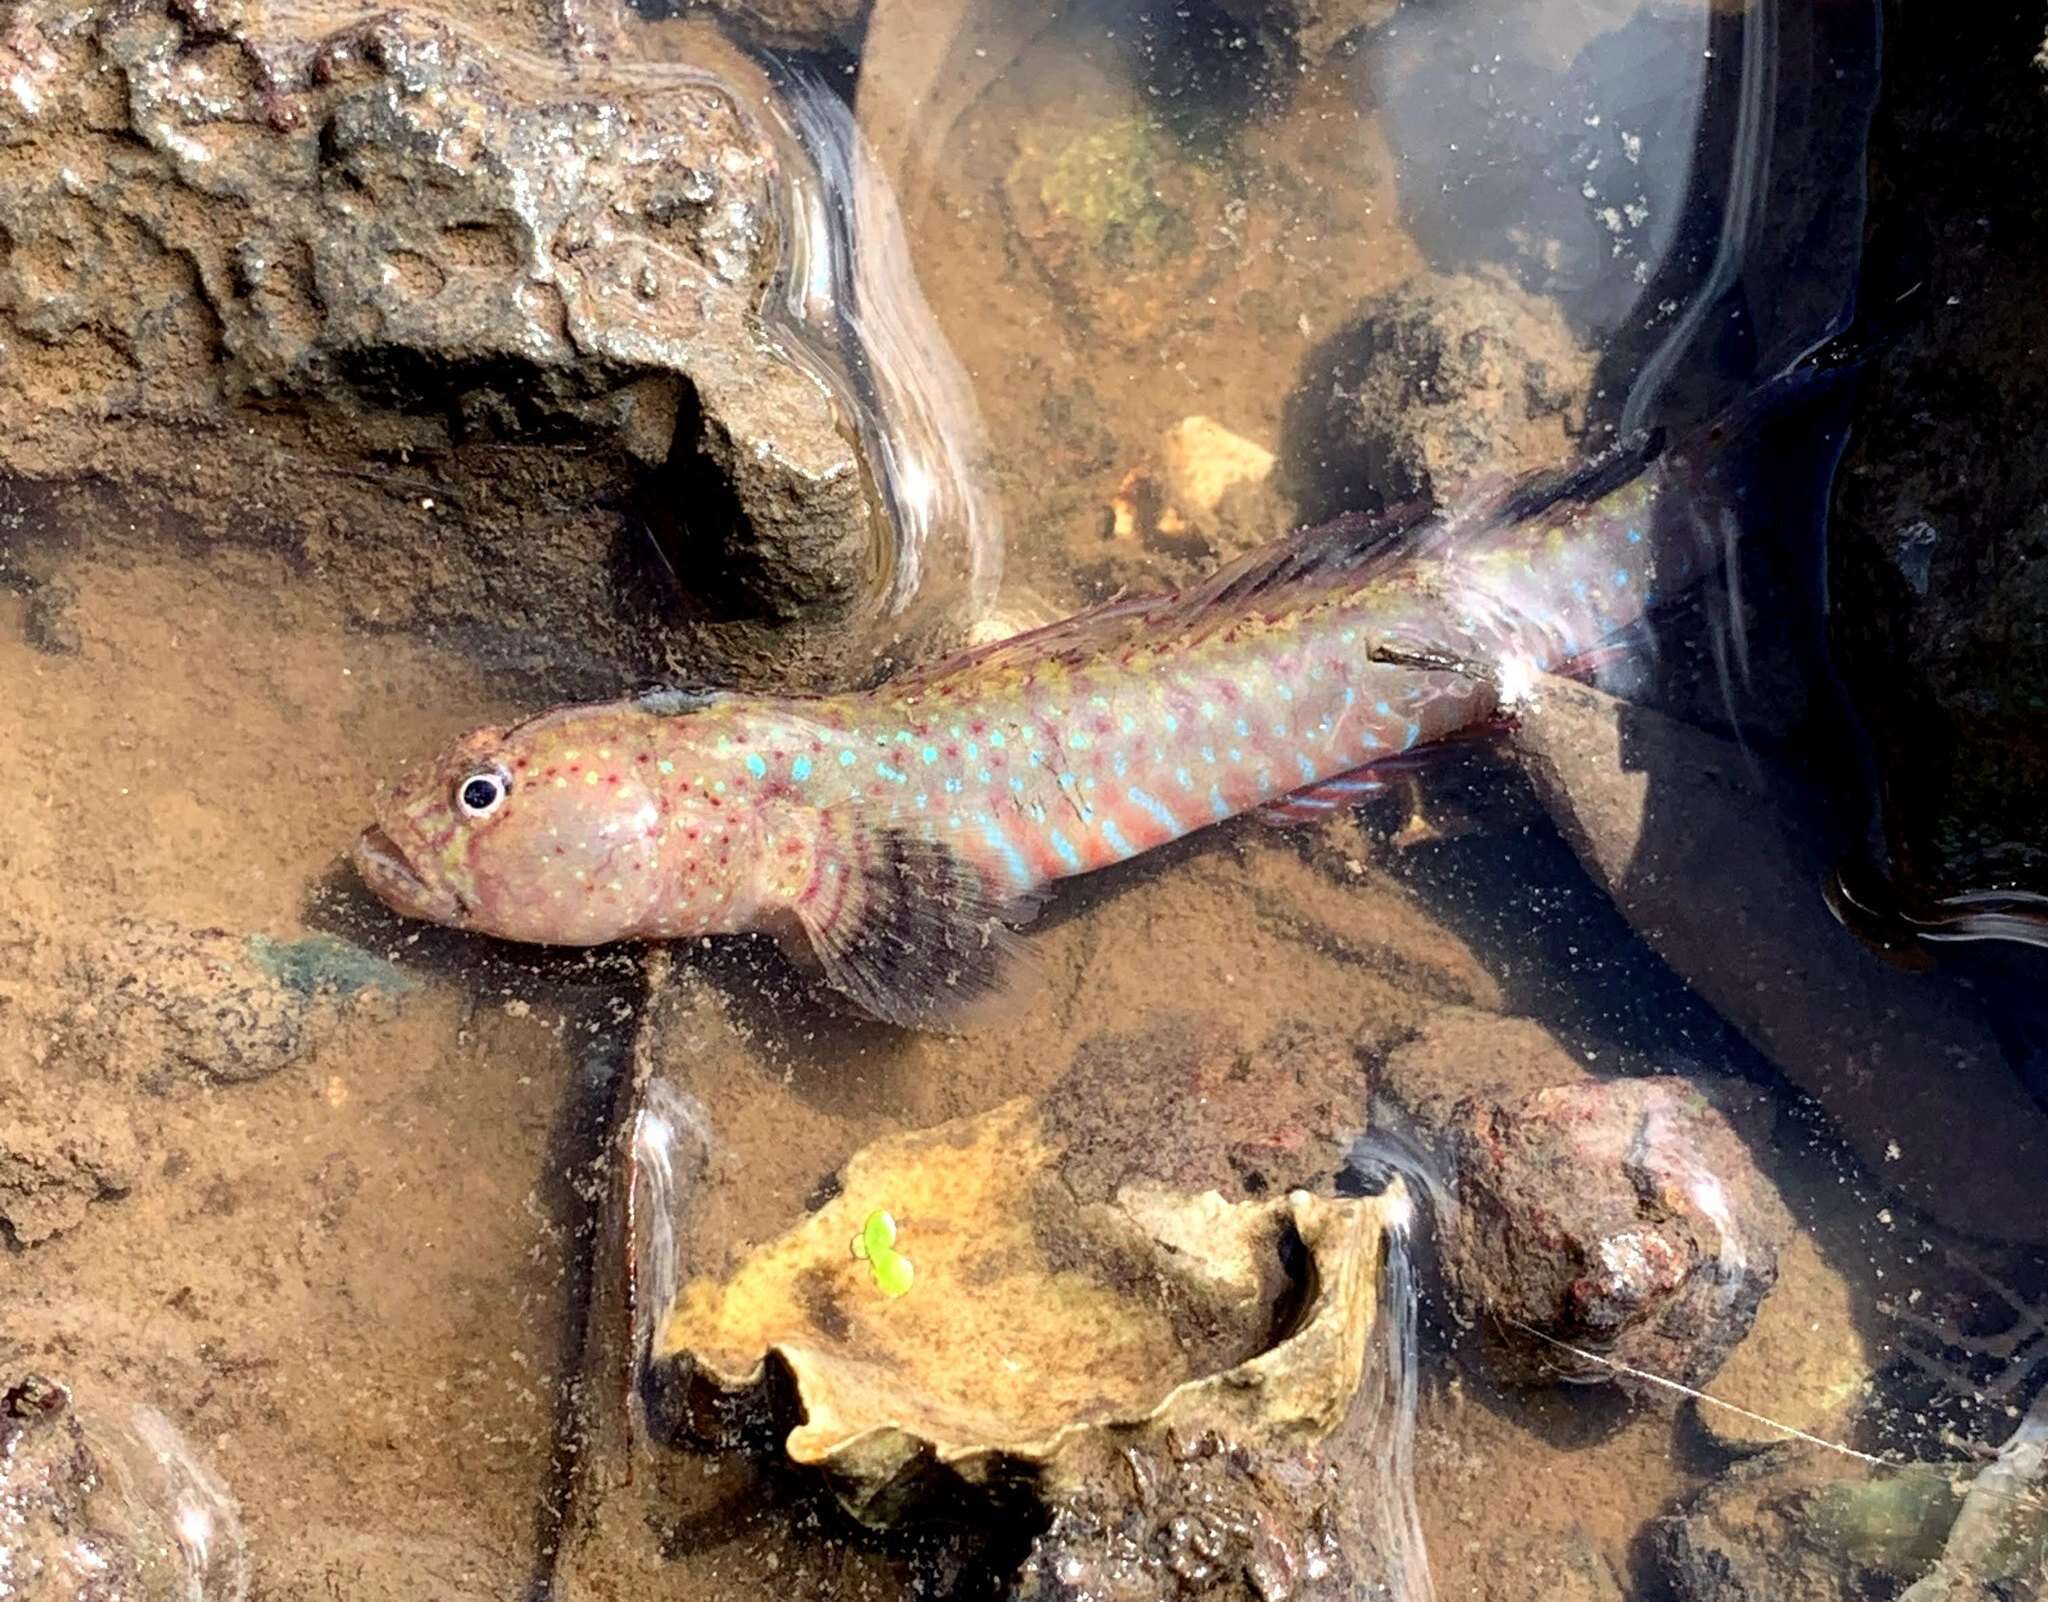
(392, 878)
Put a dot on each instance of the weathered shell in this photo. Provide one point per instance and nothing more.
(1040, 1332)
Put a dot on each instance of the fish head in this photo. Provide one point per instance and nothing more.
(552, 832)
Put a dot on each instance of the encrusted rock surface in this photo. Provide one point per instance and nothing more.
(433, 248)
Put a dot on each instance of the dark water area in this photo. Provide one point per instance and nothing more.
(1603, 1163)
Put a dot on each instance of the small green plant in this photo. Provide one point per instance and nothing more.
(877, 1243)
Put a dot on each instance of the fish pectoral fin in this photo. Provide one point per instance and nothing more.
(908, 928)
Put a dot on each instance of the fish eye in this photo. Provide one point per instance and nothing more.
(483, 793)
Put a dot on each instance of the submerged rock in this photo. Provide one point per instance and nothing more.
(1939, 546)
(107, 1515)
(1431, 386)
(1203, 1518)
(55, 1162)
(782, 24)
(1656, 810)
(1118, 218)
(1033, 1332)
(1201, 484)
(1800, 1524)
(424, 242)
(160, 1000)
(1623, 1218)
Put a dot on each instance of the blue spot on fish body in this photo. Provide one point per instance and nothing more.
(1414, 734)
(1119, 764)
(1065, 848)
(1635, 536)
(1244, 730)
(1308, 769)
(1217, 804)
(1013, 859)
(846, 759)
(893, 775)
(1115, 837)
(1620, 577)
(1183, 778)
(1172, 723)
(996, 739)
(1383, 709)
(1372, 741)
(756, 766)
(984, 776)
(929, 755)
(1159, 812)
(800, 769)
(952, 787)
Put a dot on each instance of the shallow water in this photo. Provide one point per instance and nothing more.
(340, 1196)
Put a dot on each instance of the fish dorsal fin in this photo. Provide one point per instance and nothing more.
(1533, 494)
(1347, 548)
(1082, 629)
(1325, 556)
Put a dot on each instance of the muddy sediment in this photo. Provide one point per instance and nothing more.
(432, 434)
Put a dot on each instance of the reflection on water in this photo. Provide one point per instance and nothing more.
(383, 1219)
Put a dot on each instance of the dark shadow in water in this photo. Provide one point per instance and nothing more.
(340, 905)
(1560, 949)
(965, 1548)
(597, 996)
(584, 1134)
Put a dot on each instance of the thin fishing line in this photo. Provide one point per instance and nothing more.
(2023, 1499)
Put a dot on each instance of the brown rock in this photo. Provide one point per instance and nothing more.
(1431, 386)
(1657, 810)
(1624, 1218)
(425, 244)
